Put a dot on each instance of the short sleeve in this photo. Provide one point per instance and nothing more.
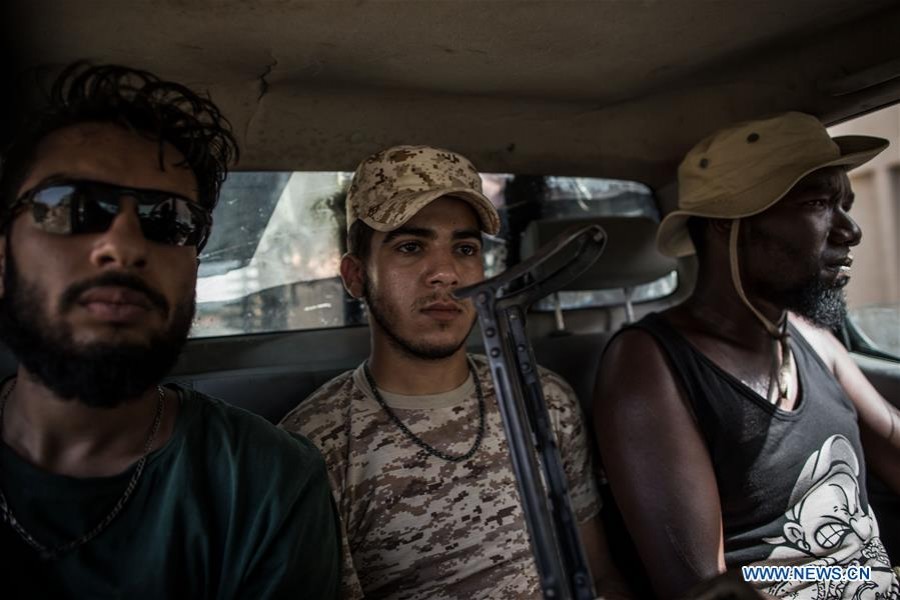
(351, 588)
(323, 419)
(574, 445)
(299, 555)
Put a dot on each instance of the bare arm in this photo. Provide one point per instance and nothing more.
(608, 581)
(879, 420)
(658, 466)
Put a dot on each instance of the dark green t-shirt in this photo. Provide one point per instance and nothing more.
(230, 507)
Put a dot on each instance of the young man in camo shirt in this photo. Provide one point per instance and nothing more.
(413, 437)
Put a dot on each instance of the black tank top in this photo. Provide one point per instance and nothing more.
(791, 483)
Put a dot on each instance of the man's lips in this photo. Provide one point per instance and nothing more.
(114, 303)
(442, 311)
(841, 265)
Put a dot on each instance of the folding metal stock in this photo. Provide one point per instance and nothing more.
(502, 303)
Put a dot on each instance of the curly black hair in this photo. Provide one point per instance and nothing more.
(137, 100)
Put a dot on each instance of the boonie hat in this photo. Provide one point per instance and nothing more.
(391, 186)
(744, 169)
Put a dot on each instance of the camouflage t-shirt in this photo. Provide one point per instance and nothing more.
(419, 526)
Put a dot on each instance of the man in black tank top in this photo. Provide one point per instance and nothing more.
(734, 428)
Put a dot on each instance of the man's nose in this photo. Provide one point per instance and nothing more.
(123, 244)
(844, 230)
(442, 270)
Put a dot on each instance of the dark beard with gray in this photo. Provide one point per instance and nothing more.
(102, 375)
(822, 304)
(411, 348)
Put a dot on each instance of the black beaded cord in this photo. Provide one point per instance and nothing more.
(419, 441)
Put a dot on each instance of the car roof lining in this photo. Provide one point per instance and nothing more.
(612, 89)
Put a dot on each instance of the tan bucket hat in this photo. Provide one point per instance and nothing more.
(391, 186)
(744, 169)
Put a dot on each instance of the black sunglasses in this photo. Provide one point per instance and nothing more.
(72, 207)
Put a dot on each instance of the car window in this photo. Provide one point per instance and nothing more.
(873, 294)
(272, 263)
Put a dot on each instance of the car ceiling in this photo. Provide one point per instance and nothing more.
(604, 88)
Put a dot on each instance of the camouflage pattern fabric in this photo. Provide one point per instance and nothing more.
(422, 527)
(391, 186)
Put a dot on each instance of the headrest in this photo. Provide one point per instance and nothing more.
(630, 258)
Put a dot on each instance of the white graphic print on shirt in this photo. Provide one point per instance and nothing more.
(827, 525)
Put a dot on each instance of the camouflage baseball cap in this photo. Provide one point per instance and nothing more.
(391, 186)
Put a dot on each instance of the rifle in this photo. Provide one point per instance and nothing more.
(502, 303)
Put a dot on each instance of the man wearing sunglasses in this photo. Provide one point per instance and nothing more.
(111, 484)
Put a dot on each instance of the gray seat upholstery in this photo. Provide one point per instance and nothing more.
(268, 392)
(270, 374)
(273, 391)
(576, 359)
(629, 259)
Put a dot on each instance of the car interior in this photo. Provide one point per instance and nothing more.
(576, 113)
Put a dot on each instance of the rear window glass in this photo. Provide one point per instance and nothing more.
(272, 263)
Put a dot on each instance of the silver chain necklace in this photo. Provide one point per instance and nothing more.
(419, 441)
(55, 552)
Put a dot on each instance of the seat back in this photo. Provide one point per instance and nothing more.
(576, 359)
(270, 374)
(629, 259)
(268, 392)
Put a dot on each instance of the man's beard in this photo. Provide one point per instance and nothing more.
(96, 374)
(821, 303)
(384, 315)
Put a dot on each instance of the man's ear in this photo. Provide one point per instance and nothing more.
(718, 231)
(721, 226)
(353, 274)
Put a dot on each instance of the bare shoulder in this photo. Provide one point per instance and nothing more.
(633, 363)
(822, 341)
(638, 389)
